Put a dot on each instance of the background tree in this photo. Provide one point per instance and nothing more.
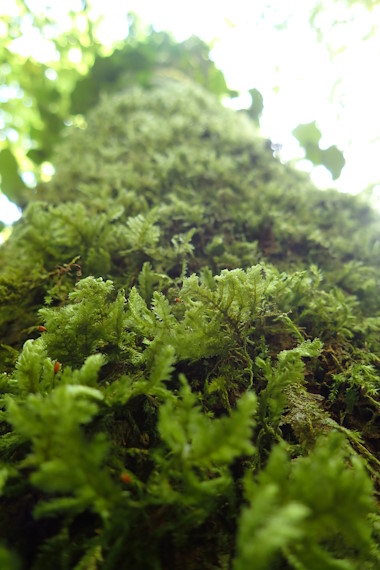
(41, 99)
(36, 95)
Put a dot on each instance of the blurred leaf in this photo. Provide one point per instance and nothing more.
(8, 560)
(314, 154)
(307, 134)
(11, 183)
(38, 156)
(333, 159)
(36, 99)
(138, 61)
(40, 95)
(257, 105)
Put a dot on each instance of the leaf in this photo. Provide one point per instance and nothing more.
(137, 62)
(38, 156)
(257, 105)
(11, 182)
(307, 134)
(313, 153)
(333, 159)
(8, 560)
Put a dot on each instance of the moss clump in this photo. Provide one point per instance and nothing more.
(190, 353)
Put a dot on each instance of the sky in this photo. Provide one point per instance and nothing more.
(269, 45)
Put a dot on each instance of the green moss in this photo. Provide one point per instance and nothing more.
(203, 392)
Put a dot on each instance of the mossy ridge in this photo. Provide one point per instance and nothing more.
(193, 287)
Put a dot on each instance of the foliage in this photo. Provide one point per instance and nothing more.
(43, 95)
(37, 93)
(142, 59)
(308, 135)
(257, 105)
(189, 352)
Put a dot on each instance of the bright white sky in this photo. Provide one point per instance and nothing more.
(288, 66)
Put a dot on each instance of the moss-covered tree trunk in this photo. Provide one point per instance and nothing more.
(190, 353)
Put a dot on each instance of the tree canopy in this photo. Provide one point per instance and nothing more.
(43, 98)
(44, 90)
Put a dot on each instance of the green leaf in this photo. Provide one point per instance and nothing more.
(333, 159)
(257, 105)
(307, 134)
(38, 156)
(8, 560)
(11, 183)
